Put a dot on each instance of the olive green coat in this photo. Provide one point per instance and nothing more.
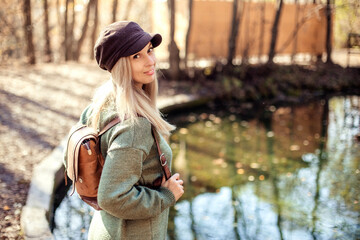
(131, 209)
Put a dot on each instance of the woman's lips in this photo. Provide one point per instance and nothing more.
(150, 72)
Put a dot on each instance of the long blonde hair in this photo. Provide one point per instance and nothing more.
(130, 101)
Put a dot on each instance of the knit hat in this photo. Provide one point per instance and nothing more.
(121, 39)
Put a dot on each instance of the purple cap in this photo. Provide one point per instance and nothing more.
(121, 39)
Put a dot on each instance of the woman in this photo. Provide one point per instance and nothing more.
(133, 193)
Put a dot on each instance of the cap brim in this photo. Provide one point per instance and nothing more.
(156, 40)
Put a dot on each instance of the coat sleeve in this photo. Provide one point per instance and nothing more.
(119, 193)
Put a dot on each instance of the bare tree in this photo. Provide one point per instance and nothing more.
(188, 32)
(68, 41)
(30, 50)
(274, 32)
(247, 41)
(328, 32)
(236, 16)
(10, 37)
(72, 27)
(58, 14)
(80, 42)
(294, 50)
(62, 32)
(65, 40)
(114, 10)
(262, 30)
(174, 58)
(71, 31)
(47, 50)
(95, 26)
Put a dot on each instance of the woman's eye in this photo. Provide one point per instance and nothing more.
(151, 49)
(136, 56)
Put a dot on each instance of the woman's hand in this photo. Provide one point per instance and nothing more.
(175, 185)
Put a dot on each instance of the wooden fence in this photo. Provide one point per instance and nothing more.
(302, 28)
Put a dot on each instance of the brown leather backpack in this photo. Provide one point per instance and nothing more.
(85, 161)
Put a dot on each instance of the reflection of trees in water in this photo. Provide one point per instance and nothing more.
(322, 159)
(344, 120)
(237, 214)
(285, 189)
(240, 219)
(231, 154)
(249, 173)
(273, 178)
(340, 175)
(72, 219)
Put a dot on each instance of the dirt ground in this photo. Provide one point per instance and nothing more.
(38, 105)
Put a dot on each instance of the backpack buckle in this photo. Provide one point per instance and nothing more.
(162, 157)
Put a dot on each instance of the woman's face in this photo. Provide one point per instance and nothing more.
(143, 66)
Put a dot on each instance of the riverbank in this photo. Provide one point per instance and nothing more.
(39, 104)
(276, 84)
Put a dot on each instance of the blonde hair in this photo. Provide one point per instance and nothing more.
(131, 102)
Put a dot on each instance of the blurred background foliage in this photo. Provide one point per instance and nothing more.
(63, 30)
(347, 20)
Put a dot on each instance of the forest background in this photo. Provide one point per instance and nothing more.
(64, 30)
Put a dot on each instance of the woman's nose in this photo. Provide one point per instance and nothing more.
(151, 60)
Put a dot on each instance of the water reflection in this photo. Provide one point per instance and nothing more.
(290, 173)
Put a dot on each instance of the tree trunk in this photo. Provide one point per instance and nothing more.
(94, 32)
(174, 58)
(65, 40)
(297, 26)
(114, 10)
(9, 29)
(274, 32)
(47, 50)
(328, 32)
(262, 31)
(128, 9)
(71, 46)
(247, 40)
(69, 30)
(80, 42)
(58, 14)
(188, 33)
(61, 26)
(234, 32)
(30, 50)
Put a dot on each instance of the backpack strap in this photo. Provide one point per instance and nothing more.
(109, 125)
(162, 157)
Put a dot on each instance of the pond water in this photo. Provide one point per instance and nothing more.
(289, 172)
